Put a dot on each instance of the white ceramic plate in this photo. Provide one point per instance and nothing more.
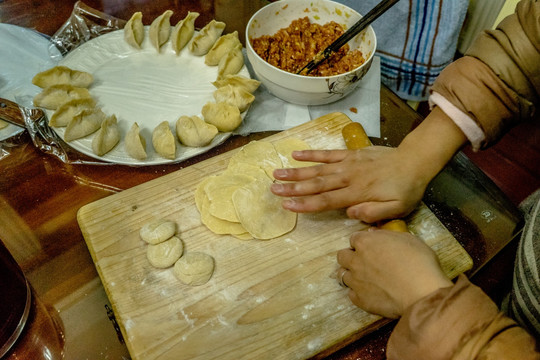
(146, 87)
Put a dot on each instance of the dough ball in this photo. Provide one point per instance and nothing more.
(157, 231)
(166, 253)
(194, 268)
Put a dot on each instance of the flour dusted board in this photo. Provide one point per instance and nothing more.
(274, 299)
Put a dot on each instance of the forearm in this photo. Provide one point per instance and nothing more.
(432, 145)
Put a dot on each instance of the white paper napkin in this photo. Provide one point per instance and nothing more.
(269, 113)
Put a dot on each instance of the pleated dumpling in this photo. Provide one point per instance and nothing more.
(65, 112)
(183, 31)
(54, 96)
(205, 39)
(134, 30)
(160, 29)
(86, 122)
(224, 116)
(236, 96)
(62, 75)
(134, 143)
(106, 137)
(250, 85)
(231, 63)
(221, 47)
(194, 131)
(163, 141)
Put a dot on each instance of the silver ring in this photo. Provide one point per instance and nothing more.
(341, 282)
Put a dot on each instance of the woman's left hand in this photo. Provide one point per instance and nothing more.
(388, 271)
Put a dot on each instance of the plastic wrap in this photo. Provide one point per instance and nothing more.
(85, 23)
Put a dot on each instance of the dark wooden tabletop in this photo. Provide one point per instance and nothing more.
(40, 195)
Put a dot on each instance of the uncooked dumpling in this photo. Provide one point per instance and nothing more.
(205, 39)
(166, 253)
(157, 230)
(250, 85)
(163, 141)
(134, 143)
(65, 112)
(235, 96)
(134, 30)
(84, 123)
(194, 268)
(224, 116)
(260, 211)
(183, 31)
(54, 96)
(221, 47)
(107, 136)
(59, 75)
(195, 132)
(231, 63)
(160, 29)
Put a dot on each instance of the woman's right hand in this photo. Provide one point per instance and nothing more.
(373, 183)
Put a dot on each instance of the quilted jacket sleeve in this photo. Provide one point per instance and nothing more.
(459, 323)
(497, 83)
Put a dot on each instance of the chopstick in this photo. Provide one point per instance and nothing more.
(360, 25)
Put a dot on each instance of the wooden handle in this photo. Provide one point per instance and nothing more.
(11, 112)
(355, 138)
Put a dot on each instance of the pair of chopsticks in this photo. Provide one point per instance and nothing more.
(360, 25)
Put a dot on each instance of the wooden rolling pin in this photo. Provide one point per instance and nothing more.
(356, 138)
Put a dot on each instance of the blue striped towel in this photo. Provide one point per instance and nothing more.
(416, 39)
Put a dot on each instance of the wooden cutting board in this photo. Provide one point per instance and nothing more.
(274, 299)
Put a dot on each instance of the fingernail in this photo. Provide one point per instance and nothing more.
(277, 187)
(289, 203)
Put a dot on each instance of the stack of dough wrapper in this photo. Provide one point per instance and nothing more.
(239, 202)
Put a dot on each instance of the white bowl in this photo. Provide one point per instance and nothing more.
(300, 89)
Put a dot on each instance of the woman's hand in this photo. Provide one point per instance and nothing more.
(388, 271)
(374, 183)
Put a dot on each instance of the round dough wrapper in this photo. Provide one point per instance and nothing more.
(260, 211)
(285, 147)
(157, 231)
(166, 253)
(219, 192)
(259, 153)
(194, 268)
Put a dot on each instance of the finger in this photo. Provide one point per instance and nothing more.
(358, 240)
(306, 173)
(321, 156)
(329, 200)
(371, 212)
(344, 258)
(314, 185)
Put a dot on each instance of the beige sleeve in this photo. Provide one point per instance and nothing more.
(497, 82)
(459, 323)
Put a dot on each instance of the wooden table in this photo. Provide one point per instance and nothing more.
(40, 196)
